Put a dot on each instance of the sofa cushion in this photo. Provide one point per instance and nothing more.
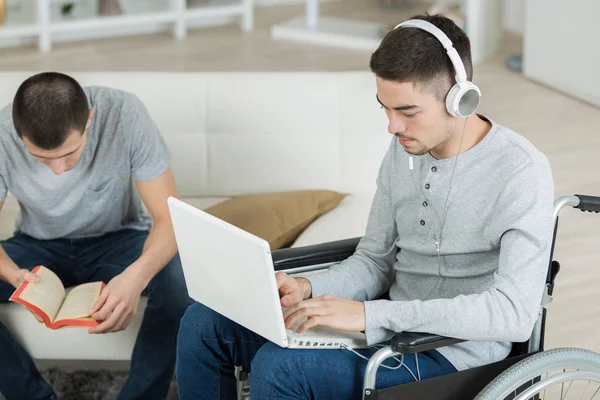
(347, 220)
(278, 217)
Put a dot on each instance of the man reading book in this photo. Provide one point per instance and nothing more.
(92, 176)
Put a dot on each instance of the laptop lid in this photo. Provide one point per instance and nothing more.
(228, 270)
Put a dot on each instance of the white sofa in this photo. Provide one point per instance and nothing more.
(232, 134)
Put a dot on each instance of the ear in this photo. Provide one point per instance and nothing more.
(91, 114)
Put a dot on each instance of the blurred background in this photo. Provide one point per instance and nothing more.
(178, 35)
(536, 61)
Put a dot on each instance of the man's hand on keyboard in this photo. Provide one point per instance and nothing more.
(335, 312)
(292, 290)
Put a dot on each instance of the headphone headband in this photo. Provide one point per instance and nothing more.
(461, 75)
(463, 97)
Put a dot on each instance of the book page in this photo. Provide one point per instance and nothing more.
(47, 294)
(79, 301)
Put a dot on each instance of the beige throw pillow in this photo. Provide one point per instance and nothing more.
(280, 217)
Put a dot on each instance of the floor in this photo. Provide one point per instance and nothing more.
(562, 127)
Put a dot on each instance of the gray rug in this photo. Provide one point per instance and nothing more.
(91, 385)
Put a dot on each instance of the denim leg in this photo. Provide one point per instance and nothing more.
(153, 358)
(208, 347)
(20, 378)
(154, 354)
(279, 373)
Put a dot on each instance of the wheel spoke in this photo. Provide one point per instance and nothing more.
(567, 389)
(586, 388)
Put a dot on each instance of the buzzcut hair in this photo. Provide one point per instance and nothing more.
(48, 107)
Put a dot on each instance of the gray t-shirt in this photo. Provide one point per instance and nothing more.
(99, 194)
(486, 286)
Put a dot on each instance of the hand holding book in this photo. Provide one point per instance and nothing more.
(24, 275)
(45, 296)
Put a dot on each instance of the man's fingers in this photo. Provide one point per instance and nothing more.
(292, 309)
(302, 305)
(312, 322)
(284, 289)
(100, 302)
(31, 277)
(115, 317)
(123, 322)
(280, 278)
(304, 312)
(27, 276)
(289, 291)
(290, 299)
(110, 322)
(285, 284)
(108, 306)
(318, 311)
(126, 317)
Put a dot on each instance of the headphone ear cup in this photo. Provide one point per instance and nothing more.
(463, 99)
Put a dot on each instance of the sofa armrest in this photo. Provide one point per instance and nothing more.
(416, 342)
(322, 253)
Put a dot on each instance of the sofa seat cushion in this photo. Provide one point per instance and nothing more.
(69, 343)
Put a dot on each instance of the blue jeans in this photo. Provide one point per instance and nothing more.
(77, 261)
(210, 345)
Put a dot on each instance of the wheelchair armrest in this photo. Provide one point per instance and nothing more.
(416, 342)
(321, 253)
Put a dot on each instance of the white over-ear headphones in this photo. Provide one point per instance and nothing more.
(463, 98)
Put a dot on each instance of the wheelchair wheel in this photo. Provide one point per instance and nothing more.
(554, 374)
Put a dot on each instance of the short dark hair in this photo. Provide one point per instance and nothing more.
(414, 55)
(48, 107)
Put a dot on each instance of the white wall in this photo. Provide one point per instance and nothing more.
(561, 47)
(484, 27)
(513, 16)
(486, 20)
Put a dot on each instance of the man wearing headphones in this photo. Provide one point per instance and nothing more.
(459, 236)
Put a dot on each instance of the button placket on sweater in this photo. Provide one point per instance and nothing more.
(427, 187)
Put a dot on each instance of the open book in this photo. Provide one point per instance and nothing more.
(58, 307)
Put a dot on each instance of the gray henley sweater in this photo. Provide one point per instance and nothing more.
(486, 283)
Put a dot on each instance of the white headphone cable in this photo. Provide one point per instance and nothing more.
(400, 362)
(438, 238)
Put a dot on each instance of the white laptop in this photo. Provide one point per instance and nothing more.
(231, 271)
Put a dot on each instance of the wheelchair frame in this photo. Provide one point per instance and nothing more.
(459, 385)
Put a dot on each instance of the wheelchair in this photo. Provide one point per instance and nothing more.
(528, 372)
